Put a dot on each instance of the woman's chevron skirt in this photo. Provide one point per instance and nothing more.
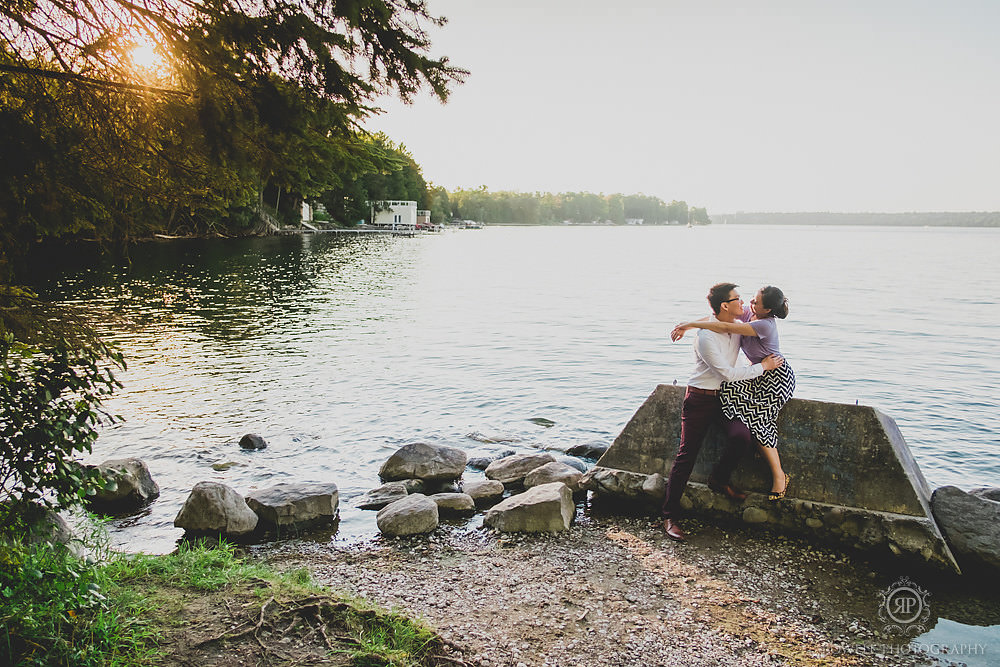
(756, 401)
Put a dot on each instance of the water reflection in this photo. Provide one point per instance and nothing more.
(961, 644)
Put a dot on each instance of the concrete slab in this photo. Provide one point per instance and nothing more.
(854, 479)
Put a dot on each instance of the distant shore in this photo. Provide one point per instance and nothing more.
(912, 219)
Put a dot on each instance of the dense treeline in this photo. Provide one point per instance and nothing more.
(243, 111)
(545, 208)
(915, 219)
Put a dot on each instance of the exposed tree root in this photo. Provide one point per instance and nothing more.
(313, 620)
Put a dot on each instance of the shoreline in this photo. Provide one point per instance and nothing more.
(614, 590)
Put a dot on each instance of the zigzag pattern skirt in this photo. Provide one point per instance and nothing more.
(756, 401)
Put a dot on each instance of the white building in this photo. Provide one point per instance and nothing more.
(395, 214)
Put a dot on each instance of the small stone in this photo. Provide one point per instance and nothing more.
(484, 492)
(754, 515)
(655, 486)
(252, 441)
(414, 485)
(589, 450)
(452, 486)
(454, 504)
(376, 499)
(512, 470)
(986, 492)
(573, 462)
(479, 462)
(412, 515)
(554, 472)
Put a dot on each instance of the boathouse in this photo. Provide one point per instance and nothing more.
(394, 214)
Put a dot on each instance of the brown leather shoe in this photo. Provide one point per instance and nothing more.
(727, 490)
(674, 531)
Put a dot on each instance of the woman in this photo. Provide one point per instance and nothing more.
(754, 404)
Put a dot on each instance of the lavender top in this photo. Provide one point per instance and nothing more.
(764, 343)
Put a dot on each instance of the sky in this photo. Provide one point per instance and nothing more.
(804, 105)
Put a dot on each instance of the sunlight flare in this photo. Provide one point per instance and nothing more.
(144, 56)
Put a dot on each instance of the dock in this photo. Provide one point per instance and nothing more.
(309, 229)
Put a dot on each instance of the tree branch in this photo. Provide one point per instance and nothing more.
(72, 77)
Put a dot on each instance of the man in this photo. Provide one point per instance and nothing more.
(715, 362)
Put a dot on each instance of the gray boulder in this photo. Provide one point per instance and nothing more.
(625, 484)
(481, 462)
(252, 441)
(541, 509)
(378, 498)
(971, 525)
(413, 485)
(655, 486)
(431, 463)
(554, 472)
(412, 515)
(986, 492)
(42, 525)
(285, 505)
(454, 486)
(512, 470)
(589, 450)
(127, 485)
(454, 504)
(214, 508)
(573, 462)
(484, 492)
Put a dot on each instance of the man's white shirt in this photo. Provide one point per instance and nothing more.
(716, 357)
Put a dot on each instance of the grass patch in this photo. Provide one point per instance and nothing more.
(200, 605)
(56, 609)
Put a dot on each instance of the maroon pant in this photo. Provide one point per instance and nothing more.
(698, 412)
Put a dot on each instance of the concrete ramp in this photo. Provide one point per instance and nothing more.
(854, 480)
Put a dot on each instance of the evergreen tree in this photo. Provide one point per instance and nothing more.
(266, 97)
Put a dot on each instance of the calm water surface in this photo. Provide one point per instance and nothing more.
(338, 350)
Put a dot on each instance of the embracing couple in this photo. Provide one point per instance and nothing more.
(745, 400)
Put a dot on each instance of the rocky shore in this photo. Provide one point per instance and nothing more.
(552, 575)
(613, 590)
(546, 576)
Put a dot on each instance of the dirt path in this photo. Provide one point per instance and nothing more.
(614, 591)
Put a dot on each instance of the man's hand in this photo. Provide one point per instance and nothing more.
(771, 361)
(677, 333)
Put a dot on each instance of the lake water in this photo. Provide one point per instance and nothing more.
(340, 349)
